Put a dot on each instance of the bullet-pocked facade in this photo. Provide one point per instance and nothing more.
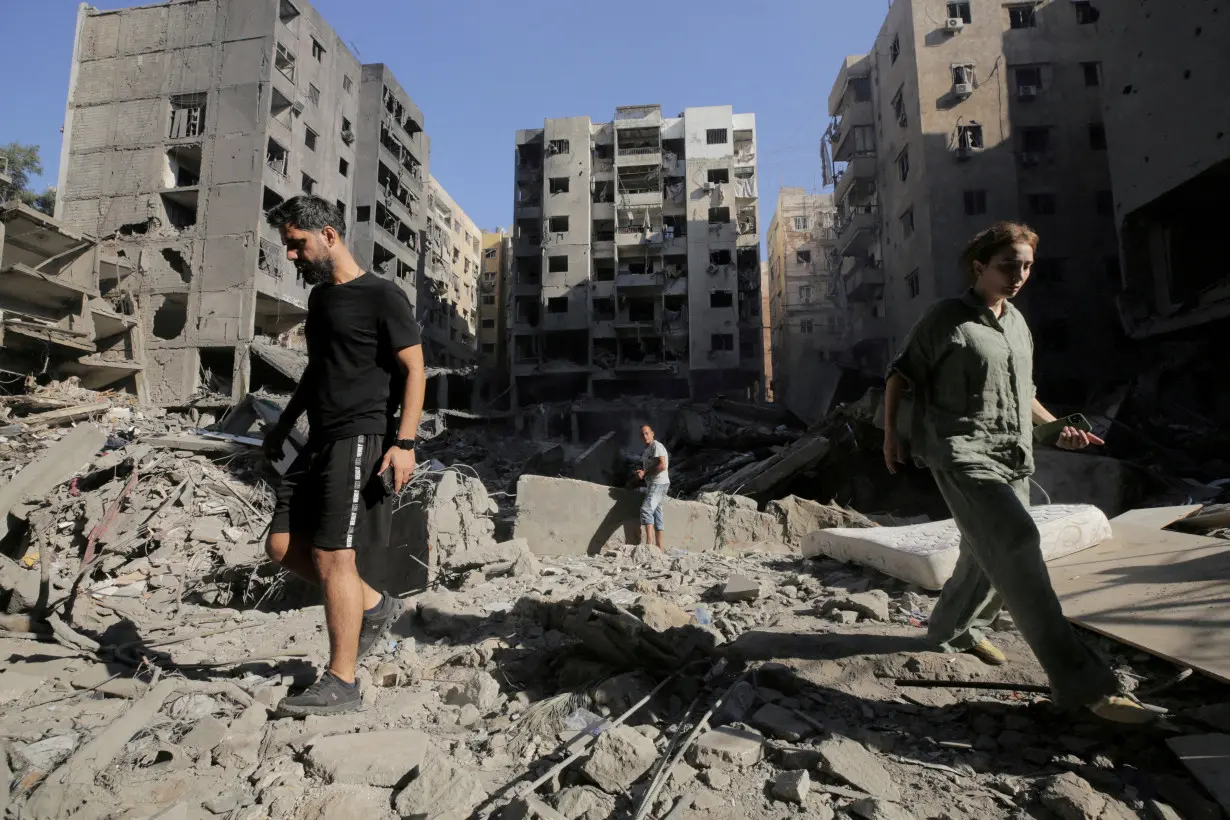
(636, 257)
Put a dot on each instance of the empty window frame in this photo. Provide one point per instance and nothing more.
(347, 84)
(558, 185)
(807, 326)
(1022, 16)
(1042, 204)
(557, 264)
(963, 74)
(907, 223)
(903, 164)
(912, 284)
(287, 12)
(187, 116)
(899, 107)
(719, 216)
(720, 257)
(975, 202)
(800, 223)
(721, 299)
(802, 257)
(557, 304)
(960, 11)
(308, 184)
(969, 136)
(805, 294)
(716, 136)
(1097, 136)
(314, 94)
(1086, 12)
(343, 167)
(1093, 73)
(1036, 140)
(557, 224)
(720, 342)
(1028, 80)
(718, 176)
(284, 61)
(363, 213)
(309, 138)
(894, 48)
(557, 147)
(488, 323)
(1104, 203)
(277, 157)
(341, 207)
(318, 51)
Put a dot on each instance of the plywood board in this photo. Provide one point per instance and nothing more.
(1164, 592)
(1155, 517)
(1207, 757)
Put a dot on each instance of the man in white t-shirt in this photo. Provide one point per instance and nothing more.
(657, 482)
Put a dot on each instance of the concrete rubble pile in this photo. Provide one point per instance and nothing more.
(540, 671)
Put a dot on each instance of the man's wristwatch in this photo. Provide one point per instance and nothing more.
(405, 444)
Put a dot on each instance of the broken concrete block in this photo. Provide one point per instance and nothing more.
(337, 802)
(843, 616)
(203, 737)
(58, 463)
(660, 614)
(478, 689)
(792, 786)
(736, 705)
(716, 499)
(531, 808)
(740, 588)
(208, 530)
(925, 554)
(387, 676)
(851, 762)
(872, 808)
(801, 516)
(780, 723)
(797, 758)
(620, 757)
(715, 779)
(369, 758)
(441, 791)
(872, 605)
(584, 803)
(726, 747)
(1072, 798)
(46, 754)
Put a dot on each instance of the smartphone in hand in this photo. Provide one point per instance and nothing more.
(1049, 433)
(386, 480)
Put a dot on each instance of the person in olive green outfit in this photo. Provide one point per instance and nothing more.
(969, 364)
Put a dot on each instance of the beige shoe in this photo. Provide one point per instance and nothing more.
(1124, 709)
(988, 653)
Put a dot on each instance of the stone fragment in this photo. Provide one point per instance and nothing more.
(620, 757)
(238, 752)
(478, 689)
(530, 808)
(584, 803)
(851, 762)
(46, 754)
(792, 786)
(872, 808)
(726, 747)
(340, 802)
(798, 758)
(780, 723)
(203, 737)
(843, 616)
(368, 759)
(660, 614)
(715, 779)
(1072, 798)
(387, 676)
(740, 588)
(872, 604)
(738, 702)
(441, 791)
(468, 716)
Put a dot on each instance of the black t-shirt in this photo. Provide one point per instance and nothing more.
(354, 332)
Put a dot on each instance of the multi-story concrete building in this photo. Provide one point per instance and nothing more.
(185, 122)
(637, 257)
(1167, 116)
(448, 282)
(963, 114)
(392, 162)
(807, 325)
(492, 326)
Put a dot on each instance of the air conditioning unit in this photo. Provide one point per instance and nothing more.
(962, 90)
(953, 24)
(1026, 92)
(297, 108)
(964, 152)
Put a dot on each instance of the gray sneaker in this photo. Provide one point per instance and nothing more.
(327, 696)
(377, 626)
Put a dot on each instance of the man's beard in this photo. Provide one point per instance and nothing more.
(315, 273)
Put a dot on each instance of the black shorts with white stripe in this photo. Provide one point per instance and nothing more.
(332, 496)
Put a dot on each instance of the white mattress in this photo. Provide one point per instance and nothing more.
(925, 554)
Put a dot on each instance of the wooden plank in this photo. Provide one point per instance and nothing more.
(1158, 518)
(1207, 757)
(1164, 592)
(68, 414)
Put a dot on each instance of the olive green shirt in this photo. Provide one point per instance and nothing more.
(972, 379)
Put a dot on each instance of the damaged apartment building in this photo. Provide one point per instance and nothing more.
(61, 311)
(448, 284)
(185, 122)
(636, 257)
(963, 114)
(807, 329)
(492, 317)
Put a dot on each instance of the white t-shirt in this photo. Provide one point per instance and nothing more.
(650, 457)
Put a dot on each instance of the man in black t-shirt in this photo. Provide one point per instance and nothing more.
(365, 360)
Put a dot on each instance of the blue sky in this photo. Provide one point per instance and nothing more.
(481, 69)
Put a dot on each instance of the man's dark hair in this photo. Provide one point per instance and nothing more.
(307, 213)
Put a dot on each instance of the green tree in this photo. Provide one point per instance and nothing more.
(24, 162)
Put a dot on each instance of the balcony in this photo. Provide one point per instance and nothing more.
(647, 155)
(604, 247)
(652, 199)
(625, 237)
(864, 281)
(529, 245)
(857, 230)
(638, 116)
(858, 180)
(640, 281)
